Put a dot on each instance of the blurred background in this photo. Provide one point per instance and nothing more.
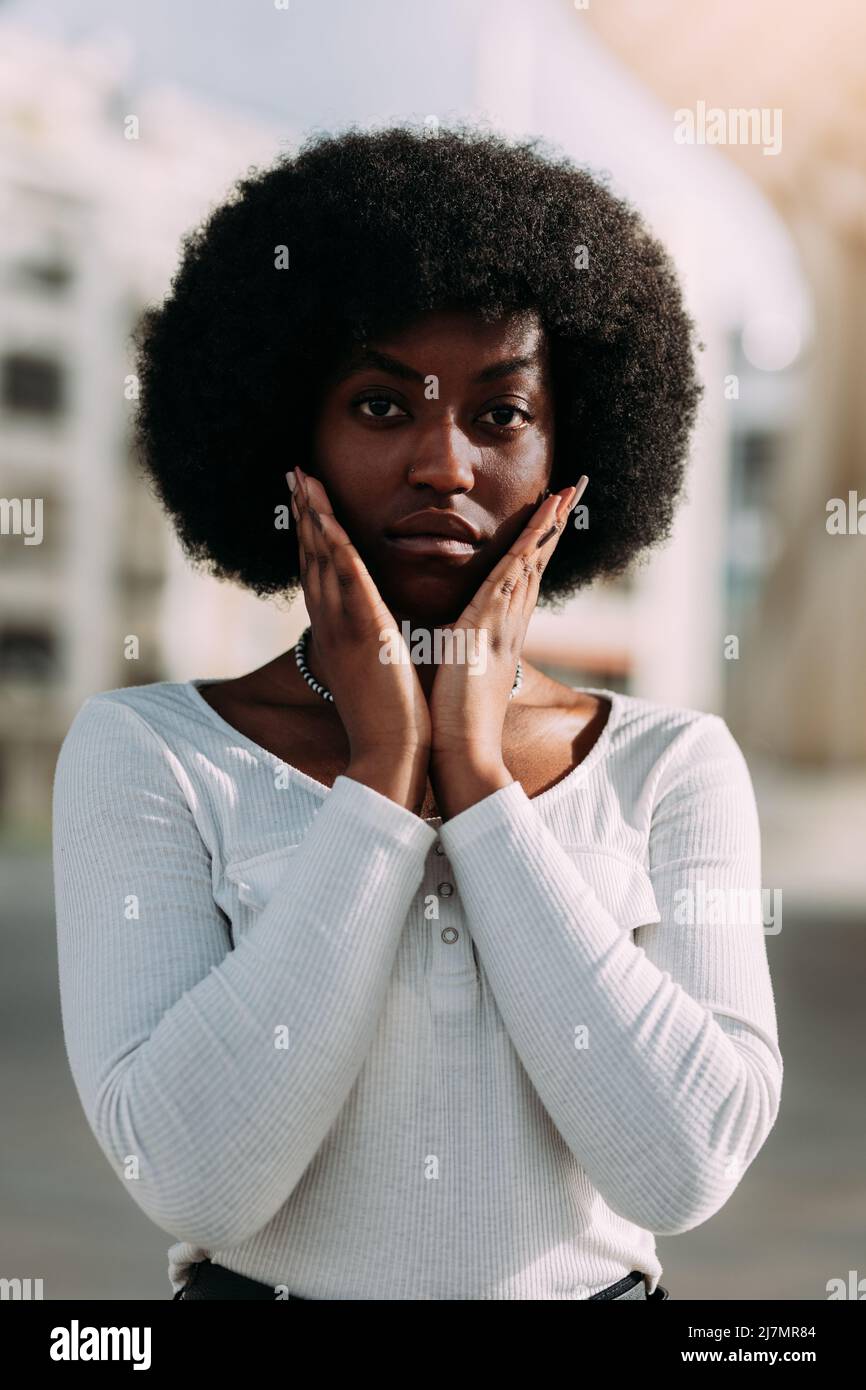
(121, 125)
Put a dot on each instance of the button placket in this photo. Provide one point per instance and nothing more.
(453, 961)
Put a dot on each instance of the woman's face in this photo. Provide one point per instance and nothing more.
(451, 418)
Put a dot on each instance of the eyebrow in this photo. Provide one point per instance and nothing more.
(371, 357)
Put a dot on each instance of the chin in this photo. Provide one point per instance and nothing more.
(428, 601)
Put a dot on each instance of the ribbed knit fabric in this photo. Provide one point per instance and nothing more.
(344, 1050)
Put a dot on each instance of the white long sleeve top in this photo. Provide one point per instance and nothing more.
(361, 1055)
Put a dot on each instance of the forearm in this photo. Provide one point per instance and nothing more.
(401, 774)
(461, 782)
(222, 1099)
(654, 1097)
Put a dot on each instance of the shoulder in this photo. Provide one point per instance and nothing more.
(660, 724)
(631, 717)
(157, 697)
(123, 777)
(128, 759)
(674, 742)
(157, 706)
(640, 733)
(114, 731)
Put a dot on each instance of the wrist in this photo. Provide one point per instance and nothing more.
(400, 774)
(459, 783)
(467, 758)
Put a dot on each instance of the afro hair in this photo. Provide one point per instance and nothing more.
(379, 228)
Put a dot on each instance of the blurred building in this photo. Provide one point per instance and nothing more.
(90, 221)
(803, 642)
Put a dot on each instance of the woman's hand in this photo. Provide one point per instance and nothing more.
(468, 703)
(382, 705)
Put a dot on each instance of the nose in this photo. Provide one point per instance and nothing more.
(443, 458)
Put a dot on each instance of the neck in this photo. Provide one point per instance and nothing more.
(420, 639)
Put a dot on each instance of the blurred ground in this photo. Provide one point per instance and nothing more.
(797, 1220)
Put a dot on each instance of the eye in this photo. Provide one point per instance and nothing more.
(375, 406)
(501, 414)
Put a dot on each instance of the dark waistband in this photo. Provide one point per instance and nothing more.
(208, 1280)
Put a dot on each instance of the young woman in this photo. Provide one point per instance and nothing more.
(392, 970)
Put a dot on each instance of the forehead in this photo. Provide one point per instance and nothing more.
(462, 336)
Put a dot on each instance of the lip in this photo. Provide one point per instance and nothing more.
(441, 547)
(434, 524)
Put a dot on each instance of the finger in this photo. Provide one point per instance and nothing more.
(538, 529)
(521, 567)
(541, 550)
(358, 594)
(314, 497)
(543, 530)
(535, 542)
(303, 559)
(345, 582)
(310, 564)
(518, 563)
(579, 490)
(539, 546)
(349, 580)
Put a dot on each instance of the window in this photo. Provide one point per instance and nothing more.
(28, 653)
(51, 276)
(31, 384)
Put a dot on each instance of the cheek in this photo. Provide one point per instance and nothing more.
(520, 472)
(358, 465)
(327, 436)
(338, 463)
(350, 471)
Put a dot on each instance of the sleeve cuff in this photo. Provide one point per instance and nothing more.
(372, 808)
(506, 805)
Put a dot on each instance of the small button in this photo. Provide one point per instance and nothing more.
(450, 935)
(438, 848)
(446, 889)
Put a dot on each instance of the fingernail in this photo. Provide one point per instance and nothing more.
(290, 479)
(581, 488)
(567, 505)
